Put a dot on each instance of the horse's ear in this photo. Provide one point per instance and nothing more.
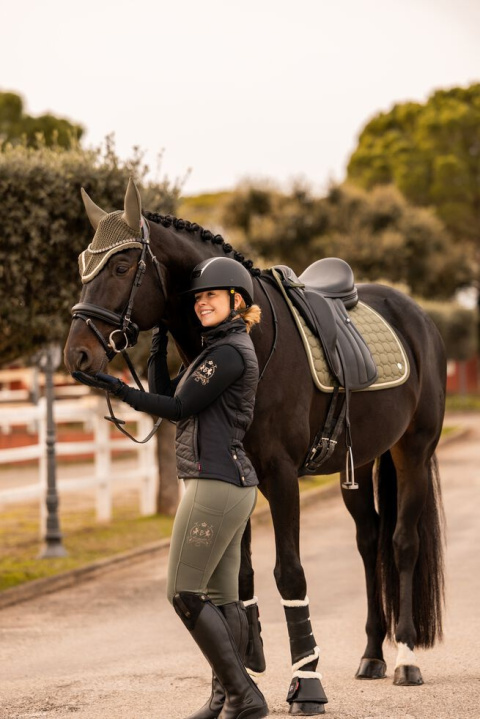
(94, 212)
(133, 206)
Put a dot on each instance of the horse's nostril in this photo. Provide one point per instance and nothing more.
(83, 360)
(77, 358)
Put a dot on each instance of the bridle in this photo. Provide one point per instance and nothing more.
(124, 326)
(129, 331)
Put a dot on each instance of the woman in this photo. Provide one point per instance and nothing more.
(212, 402)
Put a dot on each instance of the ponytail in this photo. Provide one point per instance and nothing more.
(251, 315)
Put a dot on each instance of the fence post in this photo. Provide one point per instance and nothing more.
(52, 547)
(147, 465)
(41, 422)
(102, 464)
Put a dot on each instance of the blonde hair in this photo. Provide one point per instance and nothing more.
(251, 315)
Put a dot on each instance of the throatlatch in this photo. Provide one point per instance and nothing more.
(305, 694)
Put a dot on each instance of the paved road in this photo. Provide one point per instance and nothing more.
(113, 647)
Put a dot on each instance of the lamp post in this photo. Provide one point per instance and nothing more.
(48, 361)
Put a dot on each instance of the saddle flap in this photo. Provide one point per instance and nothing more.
(358, 364)
(325, 328)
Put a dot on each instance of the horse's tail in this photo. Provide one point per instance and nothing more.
(428, 577)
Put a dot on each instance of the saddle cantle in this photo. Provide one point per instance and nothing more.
(322, 294)
(332, 278)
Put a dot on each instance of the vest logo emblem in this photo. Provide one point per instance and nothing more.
(201, 534)
(205, 372)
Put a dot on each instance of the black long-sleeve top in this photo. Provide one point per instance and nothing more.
(222, 366)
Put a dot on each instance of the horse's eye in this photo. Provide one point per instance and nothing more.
(121, 269)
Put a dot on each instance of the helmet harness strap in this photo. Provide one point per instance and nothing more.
(233, 311)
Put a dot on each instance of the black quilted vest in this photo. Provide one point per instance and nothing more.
(209, 445)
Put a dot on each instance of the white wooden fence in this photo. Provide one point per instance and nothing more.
(88, 411)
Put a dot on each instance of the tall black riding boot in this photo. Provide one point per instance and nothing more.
(236, 617)
(209, 629)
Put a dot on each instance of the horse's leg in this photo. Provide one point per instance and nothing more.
(412, 486)
(254, 658)
(418, 553)
(361, 505)
(305, 694)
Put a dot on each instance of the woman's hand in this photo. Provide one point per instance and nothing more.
(159, 340)
(101, 381)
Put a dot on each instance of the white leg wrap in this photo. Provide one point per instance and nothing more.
(307, 675)
(296, 668)
(405, 656)
(250, 602)
(295, 602)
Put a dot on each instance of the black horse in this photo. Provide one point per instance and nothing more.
(397, 508)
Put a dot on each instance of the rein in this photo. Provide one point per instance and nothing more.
(124, 326)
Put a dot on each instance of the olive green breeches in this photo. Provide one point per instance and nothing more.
(206, 537)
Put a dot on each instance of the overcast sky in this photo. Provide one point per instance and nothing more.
(257, 88)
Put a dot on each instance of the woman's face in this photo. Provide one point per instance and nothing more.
(213, 306)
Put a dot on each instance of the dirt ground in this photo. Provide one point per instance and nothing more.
(113, 647)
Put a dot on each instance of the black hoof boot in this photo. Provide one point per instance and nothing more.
(407, 675)
(306, 697)
(209, 629)
(371, 669)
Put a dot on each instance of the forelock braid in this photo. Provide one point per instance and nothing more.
(205, 236)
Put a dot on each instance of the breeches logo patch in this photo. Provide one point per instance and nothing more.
(201, 534)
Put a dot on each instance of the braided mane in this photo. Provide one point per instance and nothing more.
(205, 235)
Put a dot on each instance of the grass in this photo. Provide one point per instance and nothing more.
(457, 402)
(83, 537)
(85, 540)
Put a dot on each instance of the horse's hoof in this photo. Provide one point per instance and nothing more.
(306, 709)
(407, 675)
(371, 669)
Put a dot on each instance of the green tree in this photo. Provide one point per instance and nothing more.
(383, 237)
(17, 127)
(44, 229)
(379, 233)
(431, 152)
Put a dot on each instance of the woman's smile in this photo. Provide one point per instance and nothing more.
(212, 307)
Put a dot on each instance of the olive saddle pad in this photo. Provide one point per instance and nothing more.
(387, 351)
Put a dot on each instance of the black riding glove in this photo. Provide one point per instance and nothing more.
(102, 381)
(159, 340)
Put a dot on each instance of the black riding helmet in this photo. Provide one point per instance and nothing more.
(222, 273)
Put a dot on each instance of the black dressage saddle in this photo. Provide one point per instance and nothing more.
(322, 294)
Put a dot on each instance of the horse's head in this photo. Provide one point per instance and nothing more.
(113, 270)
